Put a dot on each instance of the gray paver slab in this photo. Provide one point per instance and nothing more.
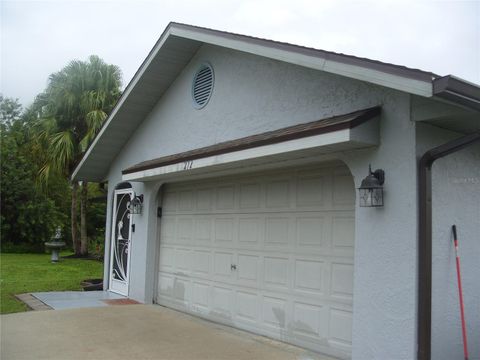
(75, 299)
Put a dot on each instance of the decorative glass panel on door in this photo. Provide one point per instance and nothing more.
(121, 241)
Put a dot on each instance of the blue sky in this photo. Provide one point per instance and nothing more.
(40, 37)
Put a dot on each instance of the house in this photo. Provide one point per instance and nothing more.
(233, 165)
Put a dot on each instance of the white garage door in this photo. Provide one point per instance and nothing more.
(270, 253)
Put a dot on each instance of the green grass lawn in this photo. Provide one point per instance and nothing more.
(22, 273)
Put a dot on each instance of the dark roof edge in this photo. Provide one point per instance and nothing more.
(457, 90)
(389, 68)
(268, 138)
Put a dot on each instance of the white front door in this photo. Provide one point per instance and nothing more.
(120, 242)
(270, 253)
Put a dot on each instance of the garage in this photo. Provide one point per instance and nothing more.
(271, 253)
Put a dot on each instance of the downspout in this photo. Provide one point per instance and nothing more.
(424, 325)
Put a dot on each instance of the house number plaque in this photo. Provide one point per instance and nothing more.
(187, 165)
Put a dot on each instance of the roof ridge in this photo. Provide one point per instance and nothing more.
(307, 48)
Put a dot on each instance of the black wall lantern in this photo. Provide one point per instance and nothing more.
(371, 189)
(136, 205)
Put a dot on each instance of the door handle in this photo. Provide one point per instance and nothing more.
(233, 267)
(133, 227)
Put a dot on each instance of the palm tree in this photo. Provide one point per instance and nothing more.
(72, 110)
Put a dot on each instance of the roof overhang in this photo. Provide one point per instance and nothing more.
(457, 91)
(304, 142)
(176, 47)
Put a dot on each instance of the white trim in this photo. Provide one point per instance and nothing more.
(124, 96)
(413, 86)
(117, 286)
(347, 138)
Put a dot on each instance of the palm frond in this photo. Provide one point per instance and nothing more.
(43, 176)
(62, 151)
(72, 110)
(95, 120)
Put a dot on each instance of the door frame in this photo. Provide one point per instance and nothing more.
(114, 285)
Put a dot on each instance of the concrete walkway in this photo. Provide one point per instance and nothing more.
(132, 332)
(59, 300)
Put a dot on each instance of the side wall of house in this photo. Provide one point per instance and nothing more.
(384, 306)
(254, 94)
(455, 200)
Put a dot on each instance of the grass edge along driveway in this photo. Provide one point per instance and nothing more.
(23, 273)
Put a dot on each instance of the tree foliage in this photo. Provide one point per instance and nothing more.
(71, 111)
(28, 216)
(10, 111)
(40, 147)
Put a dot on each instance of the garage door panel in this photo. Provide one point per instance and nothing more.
(222, 300)
(203, 231)
(186, 200)
(274, 311)
(278, 232)
(183, 261)
(249, 232)
(343, 233)
(248, 269)
(342, 280)
(277, 194)
(201, 297)
(184, 229)
(204, 201)
(201, 263)
(341, 327)
(310, 276)
(276, 272)
(311, 231)
(224, 230)
(250, 196)
(165, 285)
(181, 291)
(309, 321)
(225, 199)
(247, 307)
(272, 254)
(167, 258)
(168, 230)
(222, 262)
(311, 191)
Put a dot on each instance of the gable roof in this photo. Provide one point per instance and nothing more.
(178, 44)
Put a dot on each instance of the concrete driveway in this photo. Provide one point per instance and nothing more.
(132, 332)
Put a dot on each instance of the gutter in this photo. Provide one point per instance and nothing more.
(424, 319)
(458, 91)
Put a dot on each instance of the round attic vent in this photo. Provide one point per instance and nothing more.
(202, 86)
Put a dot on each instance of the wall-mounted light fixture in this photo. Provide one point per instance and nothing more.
(136, 205)
(371, 189)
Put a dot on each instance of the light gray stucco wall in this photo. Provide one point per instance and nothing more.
(253, 95)
(384, 307)
(455, 200)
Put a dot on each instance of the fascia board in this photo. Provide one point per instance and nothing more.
(123, 98)
(284, 148)
(413, 86)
